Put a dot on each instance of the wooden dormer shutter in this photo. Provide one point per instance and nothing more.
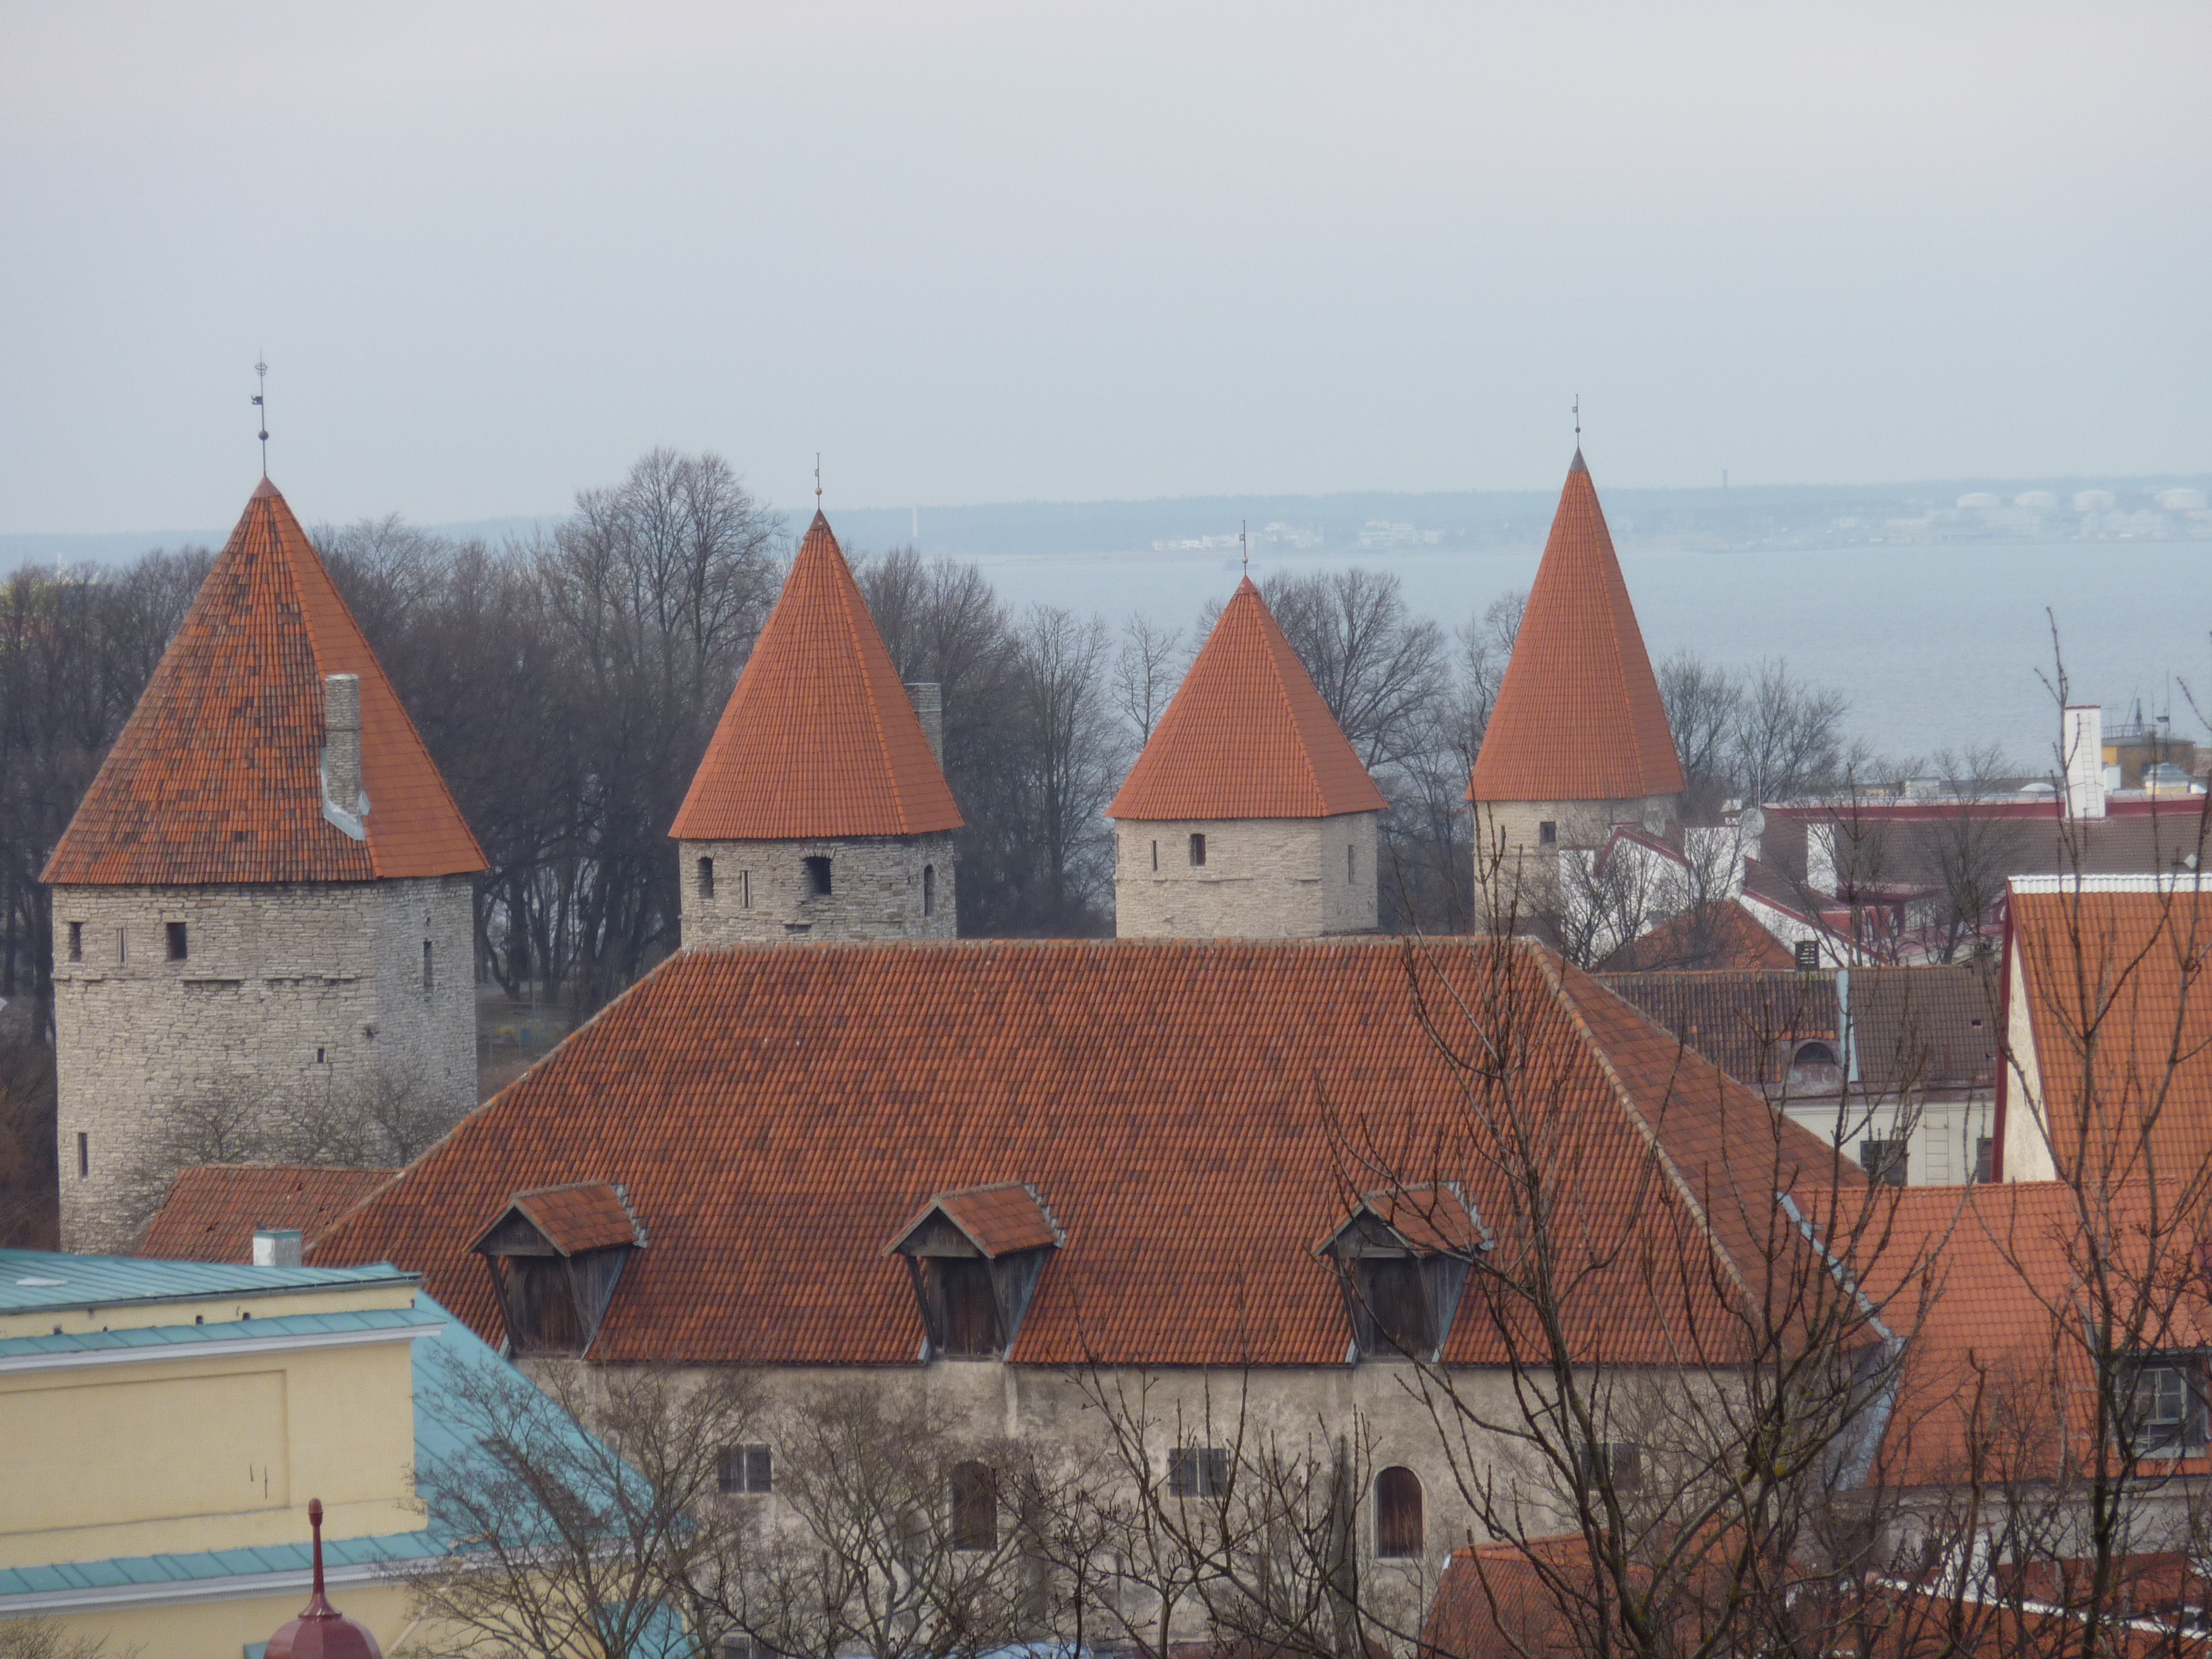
(974, 1255)
(555, 1255)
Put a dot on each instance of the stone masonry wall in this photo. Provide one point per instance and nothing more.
(1262, 878)
(281, 989)
(759, 892)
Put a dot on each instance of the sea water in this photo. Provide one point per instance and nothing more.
(1935, 648)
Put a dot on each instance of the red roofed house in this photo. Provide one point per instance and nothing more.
(1248, 815)
(267, 889)
(1578, 739)
(820, 810)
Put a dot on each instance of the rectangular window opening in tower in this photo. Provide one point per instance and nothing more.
(76, 941)
(122, 945)
(1548, 834)
(1156, 856)
(745, 890)
(929, 890)
(1351, 864)
(817, 877)
(706, 879)
(1197, 851)
(83, 1155)
(429, 974)
(179, 946)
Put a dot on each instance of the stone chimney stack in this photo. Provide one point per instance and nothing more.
(928, 702)
(342, 751)
(2082, 734)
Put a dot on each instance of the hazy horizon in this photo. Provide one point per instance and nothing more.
(985, 254)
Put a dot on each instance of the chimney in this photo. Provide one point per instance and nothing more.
(2082, 738)
(929, 700)
(344, 802)
(276, 1247)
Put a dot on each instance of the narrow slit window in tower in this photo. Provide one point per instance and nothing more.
(83, 1155)
(122, 945)
(745, 890)
(179, 946)
(706, 879)
(429, 975)
(76, 941)
(817, 877)
(1156, 856)
(929, 890)
(1351, 866)
(1197, 851)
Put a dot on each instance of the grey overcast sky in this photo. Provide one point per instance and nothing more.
(979, 252)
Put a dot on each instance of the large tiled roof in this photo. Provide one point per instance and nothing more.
(216, 777)
(1712, 936)
(1176, 1104)
(213, 1210)
(2119, 994)
(819, 738)
(1246, 735)
(1578, 715)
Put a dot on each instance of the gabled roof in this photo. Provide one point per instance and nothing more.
(1246, 735)
(998, 1220)
(217, 777)
(1712, 937)
(213, 1210)
(1179, 1101)
(1430, 1218)
(576, 1217)
(1578, 715)
(818, 738)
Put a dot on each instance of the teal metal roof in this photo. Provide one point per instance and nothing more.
(33, 1280)
(450, 1364)
(228, 1330)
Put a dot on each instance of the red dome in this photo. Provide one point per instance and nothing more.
(321, 1632)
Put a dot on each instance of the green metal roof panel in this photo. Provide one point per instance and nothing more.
(228, 1330)
(32, 1279)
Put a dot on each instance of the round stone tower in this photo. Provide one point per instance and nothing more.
(1248, 815)
(1577, 741)
(820, 810)
(266, 897)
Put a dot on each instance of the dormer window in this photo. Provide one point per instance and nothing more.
(555, 1255)
(1401, 1261)
(974, 1256)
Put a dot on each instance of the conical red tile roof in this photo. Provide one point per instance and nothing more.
(1246, 735)
(1578, 716)
(818, 738)
(217, 777)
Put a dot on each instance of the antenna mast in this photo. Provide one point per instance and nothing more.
(261, 402)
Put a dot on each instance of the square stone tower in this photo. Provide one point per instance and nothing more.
(1578, 740)
(265, 899)
(820, 810)
(1248, 815)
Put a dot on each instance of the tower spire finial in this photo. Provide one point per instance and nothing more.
(818, 481)
(1244, 541)
(261, 402)
(1578, 421)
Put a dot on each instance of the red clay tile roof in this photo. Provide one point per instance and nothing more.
(998, 1220)
(1177, 1100)
(819, 738)
(2119, 1003)
(1578, 714)
(1430, 1217)
(213, 1210)
(579, 1216)
(1246, 735)
(1714, 936)
(216, 776)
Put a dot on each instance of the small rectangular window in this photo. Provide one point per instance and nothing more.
(2165, 1408)
(1883, 1159)
(706, 879)
(817, 877)
(1156, 856)
(1198, 1472)
(122, 945)
(744, 1470)
(1197, 852)
(1548, 834)
(1808, 954)
(1351, 864)
(1985, 1160)
(429, 974)
(1620, 1462)
(745, 890)
(76, 941)
(179, 947)
(83, 1155)
(929, 890)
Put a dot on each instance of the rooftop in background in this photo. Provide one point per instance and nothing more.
(1246, 735)
(217, 775)
(33, 1280)
(212, 1213)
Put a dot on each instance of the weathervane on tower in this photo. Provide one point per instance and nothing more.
(1578, 421)
(1244, 541)
(261, 402)
(818, 481)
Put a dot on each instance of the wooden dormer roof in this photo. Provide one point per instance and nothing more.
(580, 1216)
(1432, 1219)
(998, 1220)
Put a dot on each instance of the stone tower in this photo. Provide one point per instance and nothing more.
(1248, 815)
(1578, 740)
(820, 810)
(266, 897)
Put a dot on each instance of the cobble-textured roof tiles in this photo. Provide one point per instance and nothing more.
(583, 1215)
(1246, 735)
(819, 738)
(1578, 715)
(998, 1220)
(212, 1211)
(216, 777)
(1712, 937)
(1175, 1103)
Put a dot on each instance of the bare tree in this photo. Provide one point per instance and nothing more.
(1146, 670)
(1705, 706)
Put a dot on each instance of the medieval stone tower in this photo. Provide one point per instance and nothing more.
(1248, 815)
(265, 897)
(1578, 739)
(820, 810)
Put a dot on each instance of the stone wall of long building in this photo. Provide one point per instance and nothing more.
(754, 892)
(1261, 877)
(282, 995)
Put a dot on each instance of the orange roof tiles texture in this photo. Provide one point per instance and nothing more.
(1174, 1100)
(1717, 938)
(1246, 735)
(819, 738)
(1578, 715)
(213, 1210)
(580, 1216)
(216, 777)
